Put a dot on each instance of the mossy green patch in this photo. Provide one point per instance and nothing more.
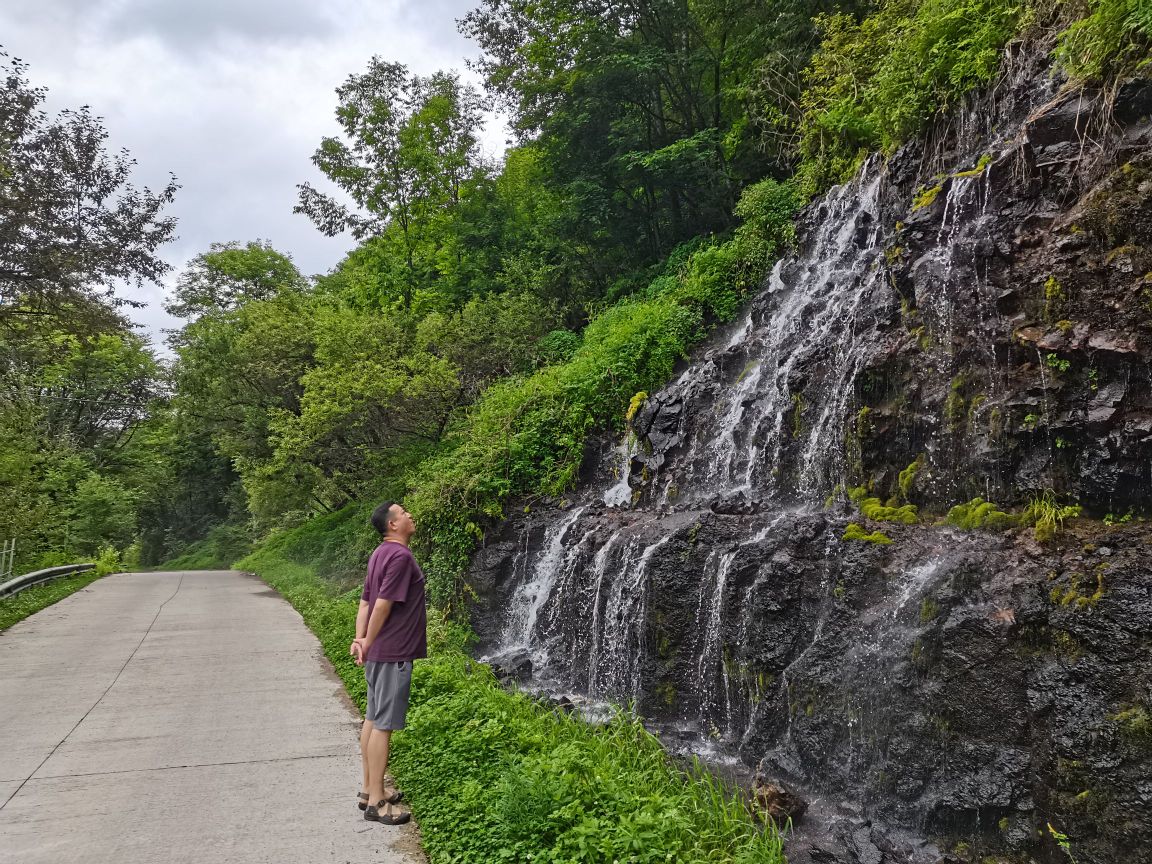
(877, 511)
(855, 532)
(908, 476)
(1136, 724)
(979, 513)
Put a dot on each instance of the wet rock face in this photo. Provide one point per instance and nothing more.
(967, 687)
(943, 697)
(996, 323)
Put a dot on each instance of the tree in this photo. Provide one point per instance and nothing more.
(71, 404)
(411, 145)
(228, 275)
(71, 224)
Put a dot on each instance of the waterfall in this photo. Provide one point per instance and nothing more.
(766, 414)
(536, 591)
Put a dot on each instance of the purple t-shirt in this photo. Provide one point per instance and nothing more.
(393, 574)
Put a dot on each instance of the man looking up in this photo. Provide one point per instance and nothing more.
(391, 632)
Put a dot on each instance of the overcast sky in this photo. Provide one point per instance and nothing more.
(231, 96)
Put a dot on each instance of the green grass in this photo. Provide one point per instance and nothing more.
(223, 545)
(494, 776)
(32, 600)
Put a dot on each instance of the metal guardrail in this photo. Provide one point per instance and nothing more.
(15, 586)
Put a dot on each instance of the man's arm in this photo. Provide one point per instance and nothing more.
(380, 612)
(356, 649)
(362, 619)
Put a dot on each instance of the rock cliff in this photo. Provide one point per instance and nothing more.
(769, 565)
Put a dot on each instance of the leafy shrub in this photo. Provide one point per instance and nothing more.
(108, 561)
(874, 83)
(557, 346)
(1113, 41)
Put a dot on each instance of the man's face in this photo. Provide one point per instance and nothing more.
(401, 521)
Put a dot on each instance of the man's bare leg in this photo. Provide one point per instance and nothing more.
(365, 735)
(378, 741)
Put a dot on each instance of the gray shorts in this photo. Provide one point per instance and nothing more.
(388, 688)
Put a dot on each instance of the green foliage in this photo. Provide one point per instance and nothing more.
(73, 228)
(493, 776)
(875, 82)
(32, 600)
(1136, 723)
(409, 146)
(229, 275)
(1053, 299)
(1047, 515)
(333, 547)
(955, 408)
(74, 400)
(926, 196)
(908, 477)
(929, 610)
(1113, 42)
(223, 545)
(641, 113)
(108, 561)
(855, 532)
(979, 513)
(558, 346)
(635, 404)
(1062, 841)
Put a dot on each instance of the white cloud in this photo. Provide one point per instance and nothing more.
(232, 96)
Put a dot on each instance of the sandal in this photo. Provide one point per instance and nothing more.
(373, 814)
(396, 797)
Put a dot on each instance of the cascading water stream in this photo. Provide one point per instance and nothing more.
(532, 595)
(779, 393)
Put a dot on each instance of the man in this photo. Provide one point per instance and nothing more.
(391, 632)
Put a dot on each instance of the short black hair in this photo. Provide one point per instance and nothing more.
(381, 515)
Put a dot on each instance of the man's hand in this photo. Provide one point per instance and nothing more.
(358, 650)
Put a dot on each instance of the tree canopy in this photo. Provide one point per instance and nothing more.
(72, 226)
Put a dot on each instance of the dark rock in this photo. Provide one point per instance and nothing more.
(513, 667)
(777, 800)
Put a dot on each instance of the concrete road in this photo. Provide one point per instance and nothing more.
(179, 717)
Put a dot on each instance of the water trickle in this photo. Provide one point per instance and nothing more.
(616, 673)
(532, 594)
(620, 495)
(712, 671)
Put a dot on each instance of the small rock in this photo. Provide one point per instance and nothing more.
(1113, 341)
(777, 800)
